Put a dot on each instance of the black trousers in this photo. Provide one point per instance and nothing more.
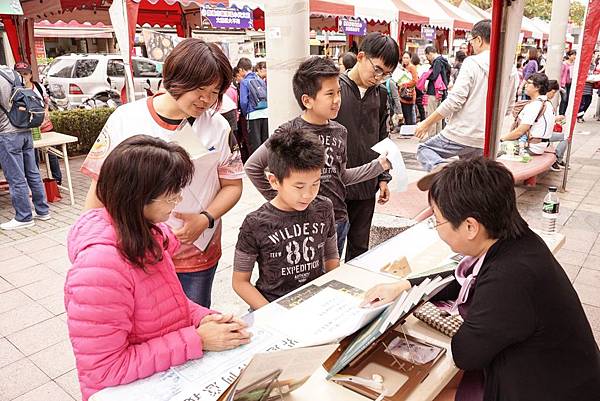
(564, 100)
(586, 100)
(258, 132)
(419, 105)
(360, 216)
(408, 111)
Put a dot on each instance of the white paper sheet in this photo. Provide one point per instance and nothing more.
(399, 176)
(333, 315)
(203, 379)
(407, 130)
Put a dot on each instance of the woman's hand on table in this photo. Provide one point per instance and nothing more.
(222, 332)
(194, 224)
(384, 293)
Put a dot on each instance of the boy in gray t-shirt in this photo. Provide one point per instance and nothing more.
(292, 237)
(317, 91)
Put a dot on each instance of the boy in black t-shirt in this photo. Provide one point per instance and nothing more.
(317, 90)
(292, 237)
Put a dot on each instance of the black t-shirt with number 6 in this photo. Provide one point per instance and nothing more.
(290, 247)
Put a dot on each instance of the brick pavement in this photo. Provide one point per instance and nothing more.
(36, 361)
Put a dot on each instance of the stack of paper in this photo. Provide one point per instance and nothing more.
(396, 312)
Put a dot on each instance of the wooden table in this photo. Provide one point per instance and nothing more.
(50, 139)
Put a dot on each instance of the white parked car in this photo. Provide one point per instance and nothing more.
(83, 76)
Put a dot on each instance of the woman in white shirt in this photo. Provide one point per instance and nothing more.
(536, 120)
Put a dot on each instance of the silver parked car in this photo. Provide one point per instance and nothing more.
(83, 76)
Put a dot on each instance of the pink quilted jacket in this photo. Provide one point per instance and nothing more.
(125, 324)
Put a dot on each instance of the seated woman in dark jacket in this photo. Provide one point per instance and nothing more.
(525, 336)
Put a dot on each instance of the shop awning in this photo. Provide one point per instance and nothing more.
(462, 20)
(435, 13)
(46, 29)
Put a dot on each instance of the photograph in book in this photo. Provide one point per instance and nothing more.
(278, 372)
(394, 313)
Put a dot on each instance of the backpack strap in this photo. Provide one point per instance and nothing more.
(10, 81)
(542, 110)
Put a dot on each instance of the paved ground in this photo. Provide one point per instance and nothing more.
(36, 361)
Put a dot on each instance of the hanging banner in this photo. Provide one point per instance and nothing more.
(353, 26)
(228, 17)
(428, 33)
(158, 44)
(40, 48)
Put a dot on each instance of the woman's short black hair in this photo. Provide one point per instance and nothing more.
(308, 78)
(553, 85)
(540, 81)
(378, 45)
(571, 52)
(482, 189)
(460, 56)
(349, 60)
(415, 59)
(294, 150)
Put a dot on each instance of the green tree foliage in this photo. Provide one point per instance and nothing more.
(537, 8)
(577, 13)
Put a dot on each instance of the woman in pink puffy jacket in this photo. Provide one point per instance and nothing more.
(128, 316)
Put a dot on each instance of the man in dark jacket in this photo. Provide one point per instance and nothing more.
(364, 114)
(440, 67)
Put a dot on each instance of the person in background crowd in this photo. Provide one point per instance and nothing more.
(416, 61)
(394, 104)
(531, 67)
(525, 334)
(196, 76)
(566, 75)
(557, 136)
(408, 90)
(17, 158)
(587, 93)
(464, 47)
(347, 61)
(439, 68)
(244, 66)
(364, 114)
(541, 59)
(253, 102)
(460, 57)
(536, 120)
(24, 70)
(464, 107)
(127, 314)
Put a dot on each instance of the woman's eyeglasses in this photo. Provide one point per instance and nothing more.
(171, 200)
(432, 223)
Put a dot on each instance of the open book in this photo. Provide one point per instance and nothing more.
(394, 313)
(333, 310)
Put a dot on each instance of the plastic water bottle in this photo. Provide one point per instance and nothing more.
(550, 210)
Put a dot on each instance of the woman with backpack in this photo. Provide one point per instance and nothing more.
(408, 94)
(25, 70)
(535, 122)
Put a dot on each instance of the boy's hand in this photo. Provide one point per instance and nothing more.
(385, 163)
(384, 193)
(421, 130)
(194, 225)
